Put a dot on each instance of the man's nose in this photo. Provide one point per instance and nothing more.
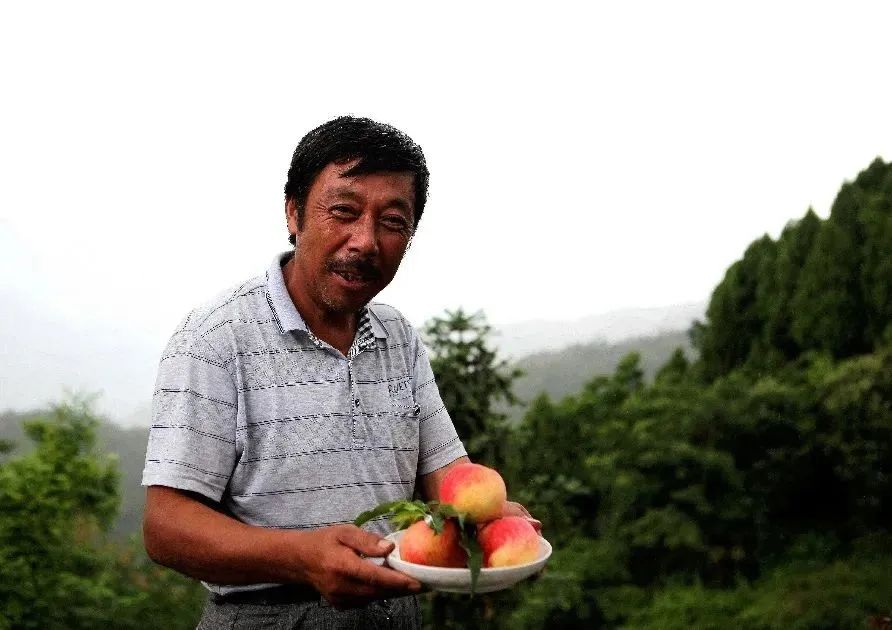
(363, 235)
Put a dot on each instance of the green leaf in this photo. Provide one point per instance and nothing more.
(439, 512)
(403, 513)
(381, 510)
(448, 511)
(407, 517)
(475, 553)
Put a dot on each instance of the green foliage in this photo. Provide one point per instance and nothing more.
(738, 310)
(827, 304)
(52, 502)
(793, 248)
(146, 594)
(401, 513)
(823, 286)
(681, 498)
(128, 445)
(799, 594)
(56, 570)
(472, 382)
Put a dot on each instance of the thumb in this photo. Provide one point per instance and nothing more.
(364, 542)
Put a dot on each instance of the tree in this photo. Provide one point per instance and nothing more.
(54, 502)
(824, 285)
(737, 311)
(472, 381)
(827, 305)
(876, 270)
(794, 246)
(57, 570)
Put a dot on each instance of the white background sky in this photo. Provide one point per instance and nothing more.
(582, 159)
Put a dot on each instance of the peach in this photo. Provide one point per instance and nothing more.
(476, 490)
(508, 541)
(422, 545)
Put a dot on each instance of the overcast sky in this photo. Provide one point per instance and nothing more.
(582, 159)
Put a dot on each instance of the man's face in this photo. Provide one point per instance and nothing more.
(354, 234)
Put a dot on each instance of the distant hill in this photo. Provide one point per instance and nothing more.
(563, 372)
(538, 336)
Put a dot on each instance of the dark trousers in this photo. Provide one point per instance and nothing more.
(276, 609)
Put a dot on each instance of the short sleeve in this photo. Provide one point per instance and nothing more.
(192, 442)
(439, 444)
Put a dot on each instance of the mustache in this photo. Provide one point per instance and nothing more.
(362, 267)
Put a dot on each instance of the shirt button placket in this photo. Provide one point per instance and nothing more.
(357, 441)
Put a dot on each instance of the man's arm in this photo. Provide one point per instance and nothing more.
(186, 533)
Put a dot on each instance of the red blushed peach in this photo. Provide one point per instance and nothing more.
(476, 490)
(508, 541)
(422, 545)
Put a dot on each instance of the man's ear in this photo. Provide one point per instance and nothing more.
(291, 216)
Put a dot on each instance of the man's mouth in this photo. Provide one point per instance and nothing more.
(354, 278)
(356, 272)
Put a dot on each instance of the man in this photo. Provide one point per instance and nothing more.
(288, 406)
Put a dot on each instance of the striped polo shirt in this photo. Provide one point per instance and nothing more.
(252, 410)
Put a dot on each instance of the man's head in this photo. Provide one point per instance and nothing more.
(374, 147)
(356, 190)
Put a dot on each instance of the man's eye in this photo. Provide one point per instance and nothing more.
(396, 223)
(344, 211)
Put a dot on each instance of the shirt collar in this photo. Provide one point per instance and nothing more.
(286, 313)
(378, 329)
(283, 308)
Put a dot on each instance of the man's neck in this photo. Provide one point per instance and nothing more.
(336, 329)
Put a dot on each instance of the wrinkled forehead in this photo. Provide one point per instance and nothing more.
(336, 181)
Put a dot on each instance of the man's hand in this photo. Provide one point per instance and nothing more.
(513, 508)
(335, 566)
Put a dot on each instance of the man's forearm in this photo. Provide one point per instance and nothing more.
(184, 534)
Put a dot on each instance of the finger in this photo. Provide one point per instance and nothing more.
(513, 508)
(366, 543)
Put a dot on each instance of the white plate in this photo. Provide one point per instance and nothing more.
(459, 580)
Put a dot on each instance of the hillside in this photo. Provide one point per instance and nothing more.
(614, 327)
(563, 372)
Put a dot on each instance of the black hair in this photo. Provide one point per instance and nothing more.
(379, 148)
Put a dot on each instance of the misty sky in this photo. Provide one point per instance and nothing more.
(582, 160)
